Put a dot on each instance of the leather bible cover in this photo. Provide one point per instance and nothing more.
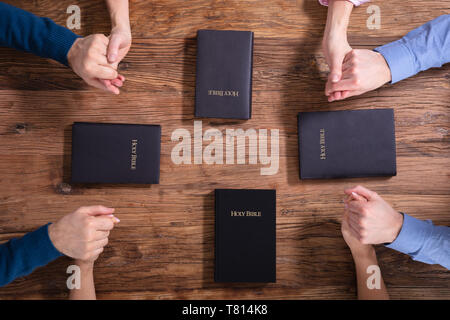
(347, 144)
(224, 74)
(115, 153)
(245, 248)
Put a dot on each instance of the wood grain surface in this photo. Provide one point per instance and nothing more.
(164, 246)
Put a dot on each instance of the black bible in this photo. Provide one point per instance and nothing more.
(347, 144)
(245, 246)
(115, 153)
(224, 74)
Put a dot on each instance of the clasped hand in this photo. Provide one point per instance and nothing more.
(352, 71)
(95, 59)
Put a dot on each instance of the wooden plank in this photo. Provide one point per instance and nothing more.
(267, 18)
(164, 246)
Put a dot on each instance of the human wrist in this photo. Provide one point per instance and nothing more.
(363, 253)
(121, 23)
(396, 226)
(73, 52)
(85, 264)
(386, 71)
(54, 236)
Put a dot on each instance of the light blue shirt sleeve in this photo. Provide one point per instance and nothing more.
(423, 241)
(425, 47)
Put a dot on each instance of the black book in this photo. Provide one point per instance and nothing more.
(245, 235)
(347, 144)
(224, 74)
(115, 153)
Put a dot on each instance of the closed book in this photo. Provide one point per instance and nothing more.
(245, 246)
(115, 153)
(347, 144)
(224, 74)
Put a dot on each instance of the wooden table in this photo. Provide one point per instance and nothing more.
(163, 248)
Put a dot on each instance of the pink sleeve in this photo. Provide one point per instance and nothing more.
(355, 2)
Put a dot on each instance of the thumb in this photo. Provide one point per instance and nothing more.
(335, 71)
(98, 210)
(113, 48)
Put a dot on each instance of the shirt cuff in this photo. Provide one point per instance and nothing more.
(60, 41)
(355, 2)
(411, 236)
(399, 59)
(44, 245)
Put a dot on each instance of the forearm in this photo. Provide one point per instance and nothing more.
(24, 31)
(362, 262)
(119, 13)
(425, 47)
(338, 17)
(19, 257)
(423, 241)
(87, 287)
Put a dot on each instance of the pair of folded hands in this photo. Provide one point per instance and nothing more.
(368, 219)
(352, 71)
(95, 59)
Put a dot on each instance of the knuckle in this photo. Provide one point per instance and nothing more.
(364, 211)
(85, 65)
(88, 223)
(90, 52)
(361, 224)
(90, 234)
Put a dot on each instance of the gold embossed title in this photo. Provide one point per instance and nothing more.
(323, 153)
(246, 213)
(223, 93)
(133, 153)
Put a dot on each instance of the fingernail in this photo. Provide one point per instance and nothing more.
(335, 78)
(112, 57)
(117, 220)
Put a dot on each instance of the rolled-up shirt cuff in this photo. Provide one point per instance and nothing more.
(399, 59)
(412, 235)
(355, 2)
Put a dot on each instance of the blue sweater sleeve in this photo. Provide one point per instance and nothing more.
(24, 31)
(425, 47)
(19, 257)
(423, 241)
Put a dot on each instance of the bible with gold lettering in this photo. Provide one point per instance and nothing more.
(115, 153)
(224, 74)
(245, 227)
(347, 144)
